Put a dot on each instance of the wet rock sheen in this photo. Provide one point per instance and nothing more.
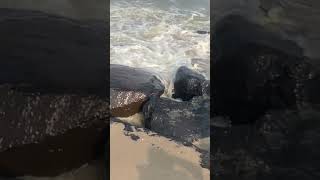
(187, 84)
(182, 121)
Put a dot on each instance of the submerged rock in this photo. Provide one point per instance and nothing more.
(182, 121)
(130, 88)
(203, 32)
(201, 65)
(47, 134)
(187, 84)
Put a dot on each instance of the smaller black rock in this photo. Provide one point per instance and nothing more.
(187, 84)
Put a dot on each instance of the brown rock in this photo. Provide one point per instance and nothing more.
(130, 88)
(126, 103)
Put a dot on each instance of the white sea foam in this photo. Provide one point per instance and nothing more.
(159, 37)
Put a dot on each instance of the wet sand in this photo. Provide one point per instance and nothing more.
(140, 156)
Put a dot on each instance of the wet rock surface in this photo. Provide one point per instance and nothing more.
(182, 121)
(130, 88)
(206, 88)
(47, 134)
(187, 84)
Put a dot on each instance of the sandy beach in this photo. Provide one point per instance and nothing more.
(151, 157)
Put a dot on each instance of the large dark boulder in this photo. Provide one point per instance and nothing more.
(187, 84)
(252, 76)
(47, 134)
(182, 121)
(53, 53)
(130, 88)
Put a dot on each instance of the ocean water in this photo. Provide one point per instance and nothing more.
(160, 36)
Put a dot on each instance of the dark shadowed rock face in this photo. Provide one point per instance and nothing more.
(187, 84)
(258, 78)
(231, 157)
(47, 134)
(130, 88)
(52, 53)
(279, 145)
(291, 139)
(182, 121)
(255, 70)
